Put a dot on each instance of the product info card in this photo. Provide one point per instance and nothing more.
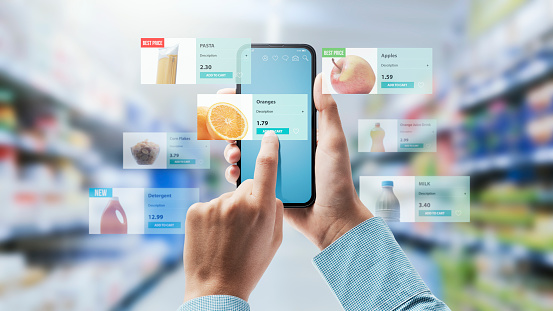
(139, 210)
(390, 135)
(248, 117)
(158, 150)
(377, 70)
(417, 198)
(195, 61)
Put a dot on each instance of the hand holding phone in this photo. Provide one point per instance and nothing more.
(337, 208)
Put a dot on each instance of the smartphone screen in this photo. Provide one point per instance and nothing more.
(284, 70)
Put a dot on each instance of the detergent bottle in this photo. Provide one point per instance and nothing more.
(114, 219)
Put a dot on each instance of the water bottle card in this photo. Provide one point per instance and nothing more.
(417, 198)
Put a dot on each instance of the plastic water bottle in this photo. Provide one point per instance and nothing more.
(387, 205)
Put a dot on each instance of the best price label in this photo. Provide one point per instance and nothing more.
(152, 42)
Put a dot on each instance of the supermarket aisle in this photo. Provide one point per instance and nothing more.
(166, 295)
(290, 283)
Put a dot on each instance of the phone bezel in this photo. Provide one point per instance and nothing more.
(313, 119)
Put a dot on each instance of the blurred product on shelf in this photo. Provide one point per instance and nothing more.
(85, 285)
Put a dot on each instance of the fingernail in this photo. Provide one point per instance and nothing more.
(269, 134)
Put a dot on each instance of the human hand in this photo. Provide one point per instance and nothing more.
(337, 208)
(231, 240)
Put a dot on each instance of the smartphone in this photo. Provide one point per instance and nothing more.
(284, 69)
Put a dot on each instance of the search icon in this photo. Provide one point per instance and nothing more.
(305, 57)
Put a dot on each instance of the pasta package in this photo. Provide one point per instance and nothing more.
(167, 65)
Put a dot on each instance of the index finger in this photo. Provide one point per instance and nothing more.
(227, 90)
(265, 174)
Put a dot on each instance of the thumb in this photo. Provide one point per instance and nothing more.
(330, 126)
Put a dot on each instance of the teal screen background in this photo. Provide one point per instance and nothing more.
(294, 184)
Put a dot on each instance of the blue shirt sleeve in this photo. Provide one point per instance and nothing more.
(215, 303)
(368, 270)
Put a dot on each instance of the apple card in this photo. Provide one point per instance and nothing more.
(195, 60)
(377, 70)
(249, 116)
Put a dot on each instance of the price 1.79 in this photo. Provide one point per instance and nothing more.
(262, 123)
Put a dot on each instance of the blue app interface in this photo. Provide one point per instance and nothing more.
(283, 71)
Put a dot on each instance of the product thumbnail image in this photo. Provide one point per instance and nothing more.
(352, 75)
(145, 152)
(167, 65)
(114, 219)
(221, 121)
(377, 137)
(387, 205)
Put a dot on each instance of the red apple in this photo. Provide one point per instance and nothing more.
(352, 75)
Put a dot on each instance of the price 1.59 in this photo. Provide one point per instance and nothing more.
(387, 77)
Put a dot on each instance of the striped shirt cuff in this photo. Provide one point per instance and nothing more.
(367, 269)
(215, 303)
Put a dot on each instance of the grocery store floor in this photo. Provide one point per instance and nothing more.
(290, 283)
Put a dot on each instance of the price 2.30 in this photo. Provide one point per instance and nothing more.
(205, 67)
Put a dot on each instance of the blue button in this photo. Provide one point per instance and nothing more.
(277, 130)
(182, 161)
(216, 75)
(397, 85)
(411, 145)
(435, 213)
(159, 224)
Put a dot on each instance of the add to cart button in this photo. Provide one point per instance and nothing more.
(216, 75)
(397, 85)
(417, 145)
(182, 161)
(277, 130)
(435, 213)
(158, 224)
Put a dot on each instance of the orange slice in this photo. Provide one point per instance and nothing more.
(203, 134)
(226, 121)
